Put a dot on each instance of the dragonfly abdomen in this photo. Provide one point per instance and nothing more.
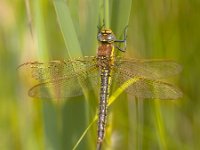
(104, 94)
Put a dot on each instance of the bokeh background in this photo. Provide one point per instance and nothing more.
(44, 30)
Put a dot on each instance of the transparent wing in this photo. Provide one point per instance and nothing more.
(60, 79)
(64, 87)
(151, 69)
(56, 69)
(148, 88)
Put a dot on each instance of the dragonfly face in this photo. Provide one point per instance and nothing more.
(56, 79)
(106, 36)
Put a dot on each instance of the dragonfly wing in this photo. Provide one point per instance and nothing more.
(151, 69)
(56, 69)
(65, 87)
(62, 79)
(148, 88)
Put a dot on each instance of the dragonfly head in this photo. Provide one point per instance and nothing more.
(106, 36)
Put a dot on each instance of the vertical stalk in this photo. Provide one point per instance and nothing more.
(106, 14)
(42, 48)
(160, 126)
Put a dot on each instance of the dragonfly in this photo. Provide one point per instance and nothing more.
(68, 78)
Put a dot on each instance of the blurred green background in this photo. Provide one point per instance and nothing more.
(57, 29)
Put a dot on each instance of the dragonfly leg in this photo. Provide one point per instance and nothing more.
(122, 41)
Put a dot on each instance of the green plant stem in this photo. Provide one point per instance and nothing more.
(106, 14)
(160, 126)
(42, 49)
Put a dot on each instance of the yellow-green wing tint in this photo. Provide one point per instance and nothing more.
(151, 69)
(56, 69)
(59, 79)
(60, 88)
(148, 88)
(148, 71)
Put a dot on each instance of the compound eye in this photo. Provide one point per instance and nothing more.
(110, 38)
(99, 37)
